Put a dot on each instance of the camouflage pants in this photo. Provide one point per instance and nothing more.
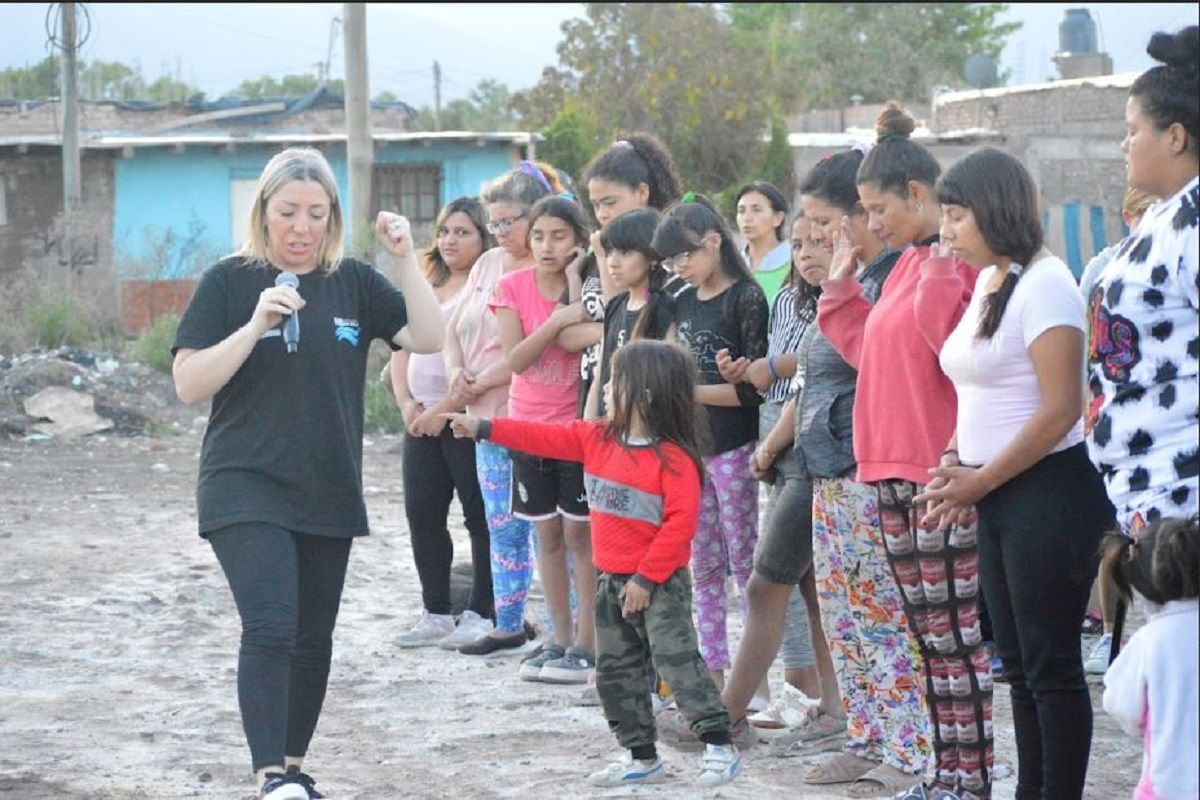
(664, 633)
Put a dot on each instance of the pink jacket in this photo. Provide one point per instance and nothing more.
(905, 408)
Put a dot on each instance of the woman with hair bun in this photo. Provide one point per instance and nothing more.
(1143, 308)
(904, 413)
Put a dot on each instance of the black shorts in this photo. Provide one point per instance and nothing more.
(544, 487)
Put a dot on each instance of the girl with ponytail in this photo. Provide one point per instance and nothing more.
(904, 413)
(1014, 359)
(724, 309)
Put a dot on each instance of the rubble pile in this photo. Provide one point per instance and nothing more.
(74, 392)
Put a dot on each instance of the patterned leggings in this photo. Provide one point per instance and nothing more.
(938, 573)
(725, 537)
(874, 654)
(511, 552)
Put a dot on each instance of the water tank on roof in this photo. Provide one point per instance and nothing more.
(1077, 32)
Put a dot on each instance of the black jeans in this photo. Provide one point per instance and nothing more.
(287, 587)
(434, 467)
(1038, 540)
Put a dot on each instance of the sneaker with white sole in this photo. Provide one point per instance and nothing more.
(280, 787)
(294, 775)
(531, 666)
(629, 770)
(719, 765)
(1097, 661)
(574, 666)
(791, 709)
(470, 627)
(429, 630)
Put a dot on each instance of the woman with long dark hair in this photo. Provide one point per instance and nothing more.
(1014, 359)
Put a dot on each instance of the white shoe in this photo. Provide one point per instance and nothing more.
(719, 765)
(1097, 661)
(278, 787)
(429, 630)
(470, 627)
(791, 709)
(629, 770)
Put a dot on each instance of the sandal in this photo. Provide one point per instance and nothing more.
(883, 781)
(842, 768)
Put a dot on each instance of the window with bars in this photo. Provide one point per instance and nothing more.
(414, 190)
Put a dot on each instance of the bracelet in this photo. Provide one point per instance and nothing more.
(771, 368)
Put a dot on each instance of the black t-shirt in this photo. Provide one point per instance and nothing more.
(735, 319)
(284, 438)
(619, 322)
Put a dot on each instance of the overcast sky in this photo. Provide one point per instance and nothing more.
(216, 46)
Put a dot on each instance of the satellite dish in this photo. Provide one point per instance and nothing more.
(980, 70)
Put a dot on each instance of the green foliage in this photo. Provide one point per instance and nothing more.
(286, 86)
(57, 322)
(153, 347)
(572, 138)
(97, 80)
(487, 107)
(822, 54)
(675, 69)
(380, 412)
(777, 166)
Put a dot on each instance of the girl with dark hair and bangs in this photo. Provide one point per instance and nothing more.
(1014, 359)
(723, 312)
(904, 413)
(640, 310)
(644, 476)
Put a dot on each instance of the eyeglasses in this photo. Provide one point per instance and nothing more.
(676, 261)
(458, 233)
(505, 225)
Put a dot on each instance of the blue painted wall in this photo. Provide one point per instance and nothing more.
(171, 214)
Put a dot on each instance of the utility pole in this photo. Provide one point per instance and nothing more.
(359, 151)
(437, 96)
(71, 168)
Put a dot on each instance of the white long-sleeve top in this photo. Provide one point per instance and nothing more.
(1153, 691)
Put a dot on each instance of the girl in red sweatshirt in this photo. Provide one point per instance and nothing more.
(642, 471)
(904, 413)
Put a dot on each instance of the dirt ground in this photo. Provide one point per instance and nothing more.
(118, 648)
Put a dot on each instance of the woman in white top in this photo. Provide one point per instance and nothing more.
(1018, 457)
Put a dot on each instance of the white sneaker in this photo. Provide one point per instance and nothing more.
(429, 630)
(1097, 661)
(278, 787)
(719, 765)
(470, 627)
(629, 770)
(791, 709)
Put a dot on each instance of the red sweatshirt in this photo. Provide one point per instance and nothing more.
(643, 513)
(904, 407)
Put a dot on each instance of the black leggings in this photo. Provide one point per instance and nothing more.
(287, 587)
(434, 467)
(1038, 540)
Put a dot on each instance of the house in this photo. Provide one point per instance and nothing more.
(167, 191)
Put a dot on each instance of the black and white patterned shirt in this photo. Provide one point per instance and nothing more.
(1144, 361)
(787, 329)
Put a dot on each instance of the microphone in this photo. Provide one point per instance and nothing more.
(291, 324)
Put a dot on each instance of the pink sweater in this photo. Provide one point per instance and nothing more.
(904, 408)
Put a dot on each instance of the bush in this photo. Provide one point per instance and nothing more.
(57, 322)
(153, 347)
(381, 413)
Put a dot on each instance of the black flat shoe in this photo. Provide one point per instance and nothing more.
(490, 644)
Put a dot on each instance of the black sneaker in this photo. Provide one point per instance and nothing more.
(489, 643)
(294, 775)
(281, 787)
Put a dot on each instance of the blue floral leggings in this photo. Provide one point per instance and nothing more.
(512, 554)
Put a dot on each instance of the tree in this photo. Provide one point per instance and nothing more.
(822, 54)
(487, 107)
(98, 80)
(572, 138)
(285, 86)
(675, 69)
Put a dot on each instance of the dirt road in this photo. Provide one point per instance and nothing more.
(118, 646)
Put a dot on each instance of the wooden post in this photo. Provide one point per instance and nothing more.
(360, 156)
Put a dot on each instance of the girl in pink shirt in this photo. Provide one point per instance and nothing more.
(531, 311)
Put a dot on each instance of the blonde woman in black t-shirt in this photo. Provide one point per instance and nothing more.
(280, 487)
